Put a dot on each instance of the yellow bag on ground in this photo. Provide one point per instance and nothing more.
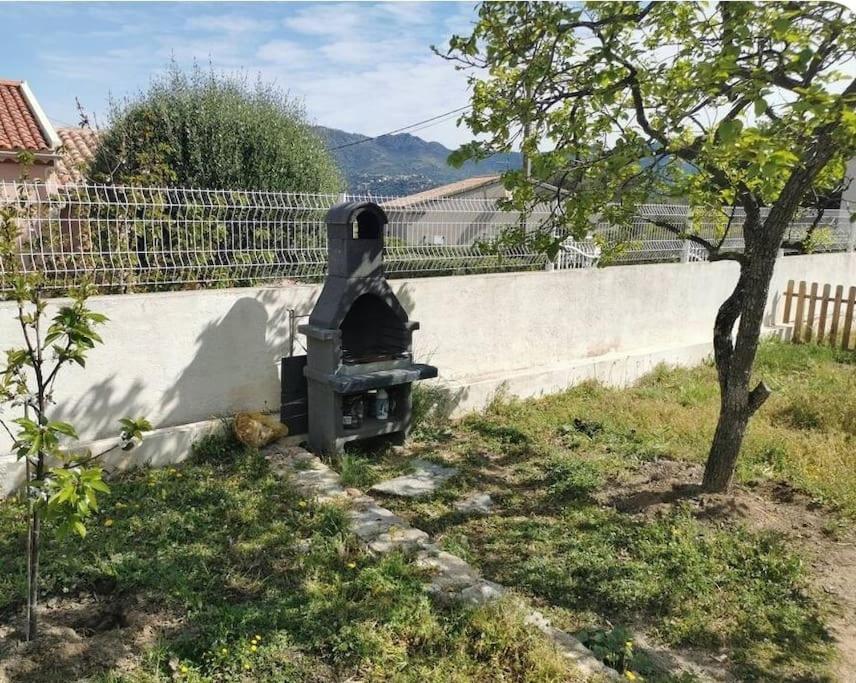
(258, 429)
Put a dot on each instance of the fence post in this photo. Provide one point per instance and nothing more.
(685, 251)
(851, 244)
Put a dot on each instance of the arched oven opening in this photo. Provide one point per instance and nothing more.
(372, 333)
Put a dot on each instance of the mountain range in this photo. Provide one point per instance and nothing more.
(402, 164)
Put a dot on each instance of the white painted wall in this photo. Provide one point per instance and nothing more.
(185, 357)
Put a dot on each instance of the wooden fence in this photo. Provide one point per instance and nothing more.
(821, 317)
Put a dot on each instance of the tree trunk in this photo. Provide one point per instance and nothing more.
(726, 443)
(748, 300)
(734, 361)
(33, 540)
(34, 533)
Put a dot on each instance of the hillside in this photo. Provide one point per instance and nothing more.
(402, 164)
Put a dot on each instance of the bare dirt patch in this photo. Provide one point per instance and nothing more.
(829, 548)
(83, 636)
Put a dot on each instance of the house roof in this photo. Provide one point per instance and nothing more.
(78, 148)
(444, 191)
(23, 125)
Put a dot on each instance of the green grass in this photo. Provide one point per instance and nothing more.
(688, 581)
(264, 585)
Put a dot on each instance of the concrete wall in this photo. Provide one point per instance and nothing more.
(183, 358)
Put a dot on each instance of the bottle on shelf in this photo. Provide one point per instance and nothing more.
(381, 405)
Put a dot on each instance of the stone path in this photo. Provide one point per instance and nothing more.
(382, 531)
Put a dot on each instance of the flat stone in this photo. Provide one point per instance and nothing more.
(451, 573)
(481, 592)
(426, 478)
(320, 481)
(369, 523)
(398, 539)
(570, 647)
(573, 650)
(475, 504)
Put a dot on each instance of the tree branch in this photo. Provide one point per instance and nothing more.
(713, 251)
(757, 397)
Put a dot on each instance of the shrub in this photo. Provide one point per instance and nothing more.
(204, 130)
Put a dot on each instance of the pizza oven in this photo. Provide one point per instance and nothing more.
(359, 341)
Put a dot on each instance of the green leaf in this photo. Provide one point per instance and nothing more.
(729, 131)
(100, 485)
(781, 25)
(27, 425)
(62, 428)
(98, 318)
(760, 106)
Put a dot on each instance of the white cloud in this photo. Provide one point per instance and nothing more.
(221, 51)
(284, 52)
(363, 68)
(228, 23)
(358, 52)
(406, 12)
(385, 97)
(330, 19)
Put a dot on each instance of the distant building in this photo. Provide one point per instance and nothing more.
(477, 187)
(430, 218)
(56, 156)
(25, 134)
(78, 148)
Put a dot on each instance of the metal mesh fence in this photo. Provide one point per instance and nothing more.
(645, 241)
(137, 239)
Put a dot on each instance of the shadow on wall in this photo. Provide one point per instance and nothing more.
(421, 354)
(771, 316)
(434, 404)
(101, 406)
(236, 365)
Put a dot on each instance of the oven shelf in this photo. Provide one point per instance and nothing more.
(356, 383)
(372, 427)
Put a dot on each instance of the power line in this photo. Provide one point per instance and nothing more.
(401, 130)
(431, 125)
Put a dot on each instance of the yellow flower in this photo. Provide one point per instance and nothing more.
(184, 669)
(253, 648)
(224, 651)
(258, 637)
(630, 675)
(302, 504)
(108, 522)
(247, 667)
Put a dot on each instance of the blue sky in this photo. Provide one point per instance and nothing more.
(361, 67)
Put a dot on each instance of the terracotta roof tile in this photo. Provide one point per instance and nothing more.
(443, 191)
(78, 148)
(19, 128)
